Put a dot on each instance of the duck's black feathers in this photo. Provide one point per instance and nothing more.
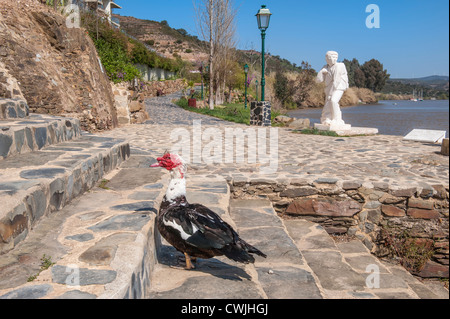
(199, 232)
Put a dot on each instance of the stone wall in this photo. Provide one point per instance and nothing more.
(367, 212)
(157, 88)
(130, 104)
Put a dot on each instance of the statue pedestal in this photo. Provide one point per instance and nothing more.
(333, 127)
(346, 129)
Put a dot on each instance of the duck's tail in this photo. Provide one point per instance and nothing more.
(241, 252)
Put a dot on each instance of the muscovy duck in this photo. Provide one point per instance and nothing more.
(194, 229)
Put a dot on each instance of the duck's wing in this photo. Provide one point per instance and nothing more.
(202, 228)
(199, 226)
(212, 231)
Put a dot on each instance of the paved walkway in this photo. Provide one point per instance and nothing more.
(369, 159)
(106, 237)
(162, 111)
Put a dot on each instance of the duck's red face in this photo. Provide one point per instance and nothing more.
(168, 161)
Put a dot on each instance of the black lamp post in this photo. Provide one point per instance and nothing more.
(263, 17)
(246, 84)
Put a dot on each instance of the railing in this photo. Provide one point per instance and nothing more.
(115, 22)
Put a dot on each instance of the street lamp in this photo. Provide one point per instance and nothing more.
(263, 17)
(246, 85)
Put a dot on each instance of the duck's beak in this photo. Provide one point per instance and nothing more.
(156, 164)
(159, 159)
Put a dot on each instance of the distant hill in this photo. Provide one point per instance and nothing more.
(437, 82)
(178, 42)
(434, 86)
(164, 39)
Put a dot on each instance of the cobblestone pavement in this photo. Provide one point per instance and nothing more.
(162, 111)
(364, 159)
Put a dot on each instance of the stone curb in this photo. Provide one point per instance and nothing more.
(36, 132)
(13, 109)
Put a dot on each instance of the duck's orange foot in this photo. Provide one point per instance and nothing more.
(189, 264)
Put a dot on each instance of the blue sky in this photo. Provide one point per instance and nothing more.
(412, 41)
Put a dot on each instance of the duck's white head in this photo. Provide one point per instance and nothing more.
(174, 163)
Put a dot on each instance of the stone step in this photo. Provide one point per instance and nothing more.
(13, 109)
(25, 135)
(38, 183)
(349, 270)
(284, 274)
(216, 278)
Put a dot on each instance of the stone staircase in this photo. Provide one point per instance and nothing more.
(104, 245)
(45, 163)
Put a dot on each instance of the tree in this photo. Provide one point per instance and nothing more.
(282, 87)
(375, 75)
(183, 32)
(359, 78)
(352, 66)
(215, 20)
(303, 83)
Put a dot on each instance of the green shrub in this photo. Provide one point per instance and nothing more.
(141, 55)
(116, 62)
(119, 53)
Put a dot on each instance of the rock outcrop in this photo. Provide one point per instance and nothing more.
(57, 68)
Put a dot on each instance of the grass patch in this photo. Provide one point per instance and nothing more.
(412, 253)
(46, 263)
(103, 183)
(314, 131)
(236, 113)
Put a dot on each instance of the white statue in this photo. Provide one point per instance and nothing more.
(336, 80)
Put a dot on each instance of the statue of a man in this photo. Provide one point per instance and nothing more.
(335, 76)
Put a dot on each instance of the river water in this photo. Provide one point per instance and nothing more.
(390, 117)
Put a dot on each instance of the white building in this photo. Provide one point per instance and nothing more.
(105, 7)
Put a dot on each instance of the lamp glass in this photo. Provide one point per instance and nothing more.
(263, 17)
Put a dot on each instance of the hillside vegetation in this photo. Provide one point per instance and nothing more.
(119, 53)
(300, 90)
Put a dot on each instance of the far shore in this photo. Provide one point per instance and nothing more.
(360, 104)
